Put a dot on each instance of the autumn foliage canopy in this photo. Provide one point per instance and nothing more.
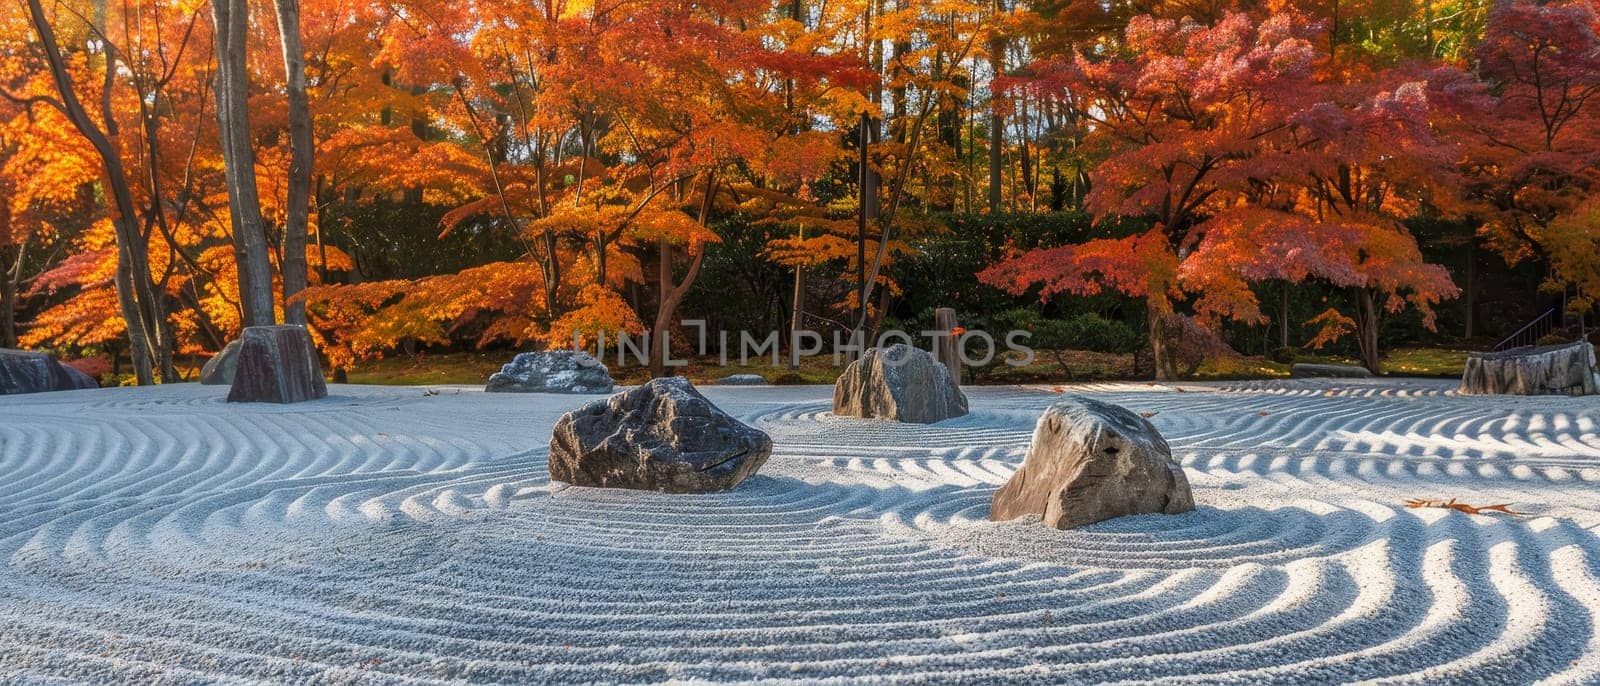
(594, 153)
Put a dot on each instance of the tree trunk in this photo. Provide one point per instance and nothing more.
(1283, 316)
(1472, 285)
(1166, 367)
(671, 294)
(10, 279)
(8, 316)
(996, 140)
(798, 306)
(301, 150)
(552, 275)
(233, 127)
(1367, 321)
(948, 350)
(135, 291)
(997, 61)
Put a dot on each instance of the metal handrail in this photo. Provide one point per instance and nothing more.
(1530, 333)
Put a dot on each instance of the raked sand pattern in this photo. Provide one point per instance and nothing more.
(388, 535)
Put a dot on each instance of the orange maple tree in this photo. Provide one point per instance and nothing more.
(1242, 158)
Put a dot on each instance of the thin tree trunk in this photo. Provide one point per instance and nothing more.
(798, 306)
(8, 296)
(233, 127)
(997, 61)
(672, 294)
(301, 151)
(1472, 285)
(1283, 316)
(135, 292)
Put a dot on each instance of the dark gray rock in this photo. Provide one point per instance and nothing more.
(1534, 370)
(219, 370)
(80, 380)
(1091, 461)
(899, 382)
(554, 371)
(22, 371)
(742, 380)
(277, 364)
(1312, 370)
(662, 436)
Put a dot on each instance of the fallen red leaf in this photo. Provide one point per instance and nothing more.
(1451, 504)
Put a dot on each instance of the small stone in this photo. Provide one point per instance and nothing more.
(554, 371)
(23, 371)
(899, 382)
(662, 436)
(1091, 461)
(1312, 370)
(277, 364)
(219, 370)
(742, 380)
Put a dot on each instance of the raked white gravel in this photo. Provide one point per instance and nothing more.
(389, 535)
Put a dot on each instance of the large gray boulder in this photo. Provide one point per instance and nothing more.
(554, 371)
(22, 371)
(1315, 370)
(899, 382)
(662, 436)
(277, 364)
(1543, 370)
(219, 370)
(1091, 461)
(742, 380)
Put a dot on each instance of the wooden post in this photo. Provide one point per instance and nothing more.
(944, 319)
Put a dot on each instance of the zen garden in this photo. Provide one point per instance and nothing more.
(807, 342)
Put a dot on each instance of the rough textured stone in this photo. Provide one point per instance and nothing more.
(1091, 461)
(662, 436)
(901, 383)
(555, 371)
(219, 370)
(277, 364)
(1545, 370)
(80, 380)
(22, 371)
(1311, 370)
(742, 380)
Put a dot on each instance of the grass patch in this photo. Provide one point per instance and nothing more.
(428, 369)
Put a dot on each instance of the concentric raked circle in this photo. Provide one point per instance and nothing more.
(391, 535)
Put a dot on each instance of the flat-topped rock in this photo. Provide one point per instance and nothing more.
(23, 371)
(277, 364)
(553, 371)
(1315, 370)
(901, 383)
(662, 436)
(1091, 461)
(1543, 370)
(80, 379)
(742, 380)
(219, 370)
